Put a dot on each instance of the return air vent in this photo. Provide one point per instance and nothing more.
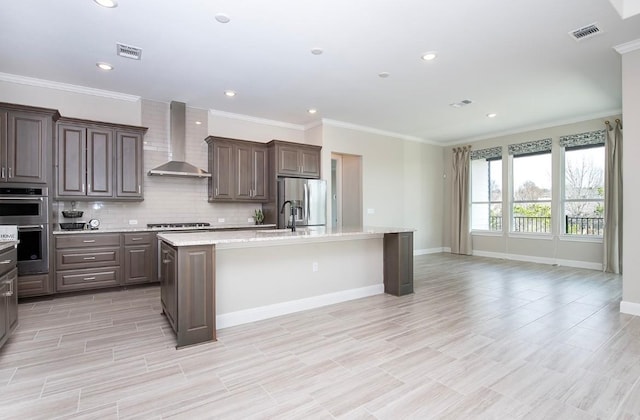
(462, 103)
(128, 51)
(585, 32)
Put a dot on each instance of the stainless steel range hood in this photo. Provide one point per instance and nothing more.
(177, 143)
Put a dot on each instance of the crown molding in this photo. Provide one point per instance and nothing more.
(526, 129)
(256, 120)
(32, 81)
(365, 129)
(627, 46)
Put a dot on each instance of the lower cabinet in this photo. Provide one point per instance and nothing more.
(35, 285)
(187, 291)
(8, 293)
(398, 263)
(139, 257)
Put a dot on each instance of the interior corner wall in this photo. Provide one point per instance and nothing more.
(401, 181)
(74, 104)
(631, 181)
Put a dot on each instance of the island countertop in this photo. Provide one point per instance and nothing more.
(240, 239)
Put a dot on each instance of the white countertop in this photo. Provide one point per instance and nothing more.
(164, 229)
(235, 239)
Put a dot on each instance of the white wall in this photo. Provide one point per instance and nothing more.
(631, 181)
(402, 181)
(126, 110)
(554, 249)
(245, 128)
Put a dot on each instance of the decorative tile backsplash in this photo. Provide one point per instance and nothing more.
(166, 199)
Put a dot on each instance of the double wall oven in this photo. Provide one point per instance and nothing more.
(28, 208)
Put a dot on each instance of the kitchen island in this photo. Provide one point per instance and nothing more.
(223, 279)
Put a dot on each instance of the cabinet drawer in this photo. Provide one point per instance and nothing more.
(138, 238)
(87, 240)
(8, 260)
(86, 279)
(88, 257)
(34, 285)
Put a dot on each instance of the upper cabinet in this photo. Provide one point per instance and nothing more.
(295, 160)
(238, 170)
(25, 143)
(92, 158)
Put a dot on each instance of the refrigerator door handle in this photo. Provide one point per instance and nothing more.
(307, 198)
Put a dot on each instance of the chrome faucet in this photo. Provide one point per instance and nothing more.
(293, 205)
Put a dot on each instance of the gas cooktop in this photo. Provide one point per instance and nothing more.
(177, 225)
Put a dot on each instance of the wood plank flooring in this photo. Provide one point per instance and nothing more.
(479, 338)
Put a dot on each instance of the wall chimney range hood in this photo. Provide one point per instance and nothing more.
(177, 143)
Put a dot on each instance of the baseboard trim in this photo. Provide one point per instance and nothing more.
(539, 260)
(630, 308)
(277, 309)
(427, 251)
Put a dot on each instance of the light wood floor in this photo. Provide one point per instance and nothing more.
(480, 338)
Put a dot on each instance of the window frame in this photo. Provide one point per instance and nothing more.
(490, 202)
(513, 202)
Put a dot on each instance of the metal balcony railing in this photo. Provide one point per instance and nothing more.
(592, 226)
(531, 224)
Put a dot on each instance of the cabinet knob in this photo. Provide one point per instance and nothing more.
(10, 172)
(166, 261)
(4, 172)
(7, 294)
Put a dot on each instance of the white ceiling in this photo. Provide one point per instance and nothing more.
(514, 58)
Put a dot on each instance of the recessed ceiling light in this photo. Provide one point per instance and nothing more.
(383, 75)
(107, 3)
(428, 56)
(222, 18)
(316, 51)
(104, 66)
(198, 122)
(229, 93)
(312, 110)
(492, 115)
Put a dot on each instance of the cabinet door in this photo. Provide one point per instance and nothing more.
(222, 177)
(310, 163)
(99, 162)
(287, 160)
(243, 172)
(168, 283)
(4, 324)
(12, 299)
(138, 264)
(130, 165)
(260, 171)
(71, 160)
(27, 143)
(3, 146)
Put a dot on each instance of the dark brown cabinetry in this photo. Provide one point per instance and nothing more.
(188, 292)
(92, 157)
(25, 143)
(239, 170)
(138, 255)
(87, 261)
(35, 285)
(398, 263)
(8, 293)
(295, 160)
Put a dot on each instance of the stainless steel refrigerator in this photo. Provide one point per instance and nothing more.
(312, 196)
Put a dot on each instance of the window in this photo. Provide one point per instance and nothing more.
(486, 194)
(531, 189)
(584, 190)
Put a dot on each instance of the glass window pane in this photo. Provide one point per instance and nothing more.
(532, 177)
(486, 216)
(584, 218)
(495, 183)
(479, 180)
(532, 217)
(584, 173)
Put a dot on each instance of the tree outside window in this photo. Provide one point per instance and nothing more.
(531, 211)
(584, 190)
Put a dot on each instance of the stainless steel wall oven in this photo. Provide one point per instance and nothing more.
(28, 208)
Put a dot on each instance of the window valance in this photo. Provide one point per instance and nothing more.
(490, 153)
(583, 139)
(530, 148)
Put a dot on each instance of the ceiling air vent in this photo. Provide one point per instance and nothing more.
(128, 51)
(585, 32)
(462, 103)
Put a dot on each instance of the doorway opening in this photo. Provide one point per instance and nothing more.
(346, 190)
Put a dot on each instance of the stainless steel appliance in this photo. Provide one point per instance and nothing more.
(310, 196)
(28, 208)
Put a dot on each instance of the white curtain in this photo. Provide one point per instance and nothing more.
(460, 234)
(613, 200)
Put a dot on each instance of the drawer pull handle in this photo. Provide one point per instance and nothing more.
(166, 261)
(7, 294)
(89, 278)
(89, 258)
(89, 241)
(6, 262)
(136, 239)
